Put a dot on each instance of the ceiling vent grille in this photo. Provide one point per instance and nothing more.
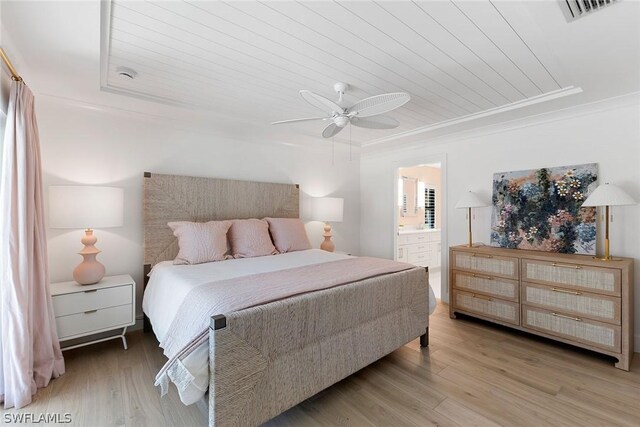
(574, 9)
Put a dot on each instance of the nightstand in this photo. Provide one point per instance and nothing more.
(83, 310)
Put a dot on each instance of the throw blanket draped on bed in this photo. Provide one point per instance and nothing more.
(190, 326)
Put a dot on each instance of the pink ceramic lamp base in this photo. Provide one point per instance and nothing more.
(90, 270)
(327, 245)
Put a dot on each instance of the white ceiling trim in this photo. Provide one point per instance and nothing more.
(195, 125)
(545, 97)
(561, 114)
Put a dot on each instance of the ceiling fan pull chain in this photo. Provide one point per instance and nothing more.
(333, 151)
(349, 140)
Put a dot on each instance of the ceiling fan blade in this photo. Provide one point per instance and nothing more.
(331, 130)
(379, 104)
(376, 122)
(299, 120)
(320, 102)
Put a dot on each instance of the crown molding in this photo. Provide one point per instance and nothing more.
(203, 126)
(545, 97)
(590, 108)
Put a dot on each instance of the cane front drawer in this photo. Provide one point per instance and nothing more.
(570, 301)
(574, 328)
(576, 276)
(486, 284)
(479, 262)
(505, 311)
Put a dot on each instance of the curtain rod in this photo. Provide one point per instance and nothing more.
(14, 73)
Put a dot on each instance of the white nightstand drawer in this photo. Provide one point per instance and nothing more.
(94, 321)
(79, 302)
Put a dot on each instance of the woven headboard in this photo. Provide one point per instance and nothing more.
(185, 198)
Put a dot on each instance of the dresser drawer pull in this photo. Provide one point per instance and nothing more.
(482, 277)
(482, 256)
(564, 291)
(482, 297)
(575, 267)
(90, 311)
(577, 319)
(91, 291)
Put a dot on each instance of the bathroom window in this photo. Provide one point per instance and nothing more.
(429, 206)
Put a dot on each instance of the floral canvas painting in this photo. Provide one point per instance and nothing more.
(541, 210)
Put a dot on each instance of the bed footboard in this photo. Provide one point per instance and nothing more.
(266, 359)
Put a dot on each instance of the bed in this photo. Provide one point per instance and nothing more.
(266, 356)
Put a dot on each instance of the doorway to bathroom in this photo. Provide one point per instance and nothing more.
(419, 219)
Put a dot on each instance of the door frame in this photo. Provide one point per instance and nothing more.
(416, 161)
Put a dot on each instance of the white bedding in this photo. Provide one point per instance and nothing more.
(169, 285)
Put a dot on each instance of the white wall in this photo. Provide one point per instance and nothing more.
(91, 146)
(84, 145)
(607, 133)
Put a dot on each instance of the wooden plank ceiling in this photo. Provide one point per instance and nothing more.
(250, 58)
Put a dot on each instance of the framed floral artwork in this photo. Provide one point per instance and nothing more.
(541, 209)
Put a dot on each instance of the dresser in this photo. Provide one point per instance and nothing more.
(83, 310)
(419, 247)
(575, 299)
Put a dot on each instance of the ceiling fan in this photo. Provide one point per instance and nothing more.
(365, 113)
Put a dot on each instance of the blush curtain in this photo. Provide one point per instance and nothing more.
(30, 354)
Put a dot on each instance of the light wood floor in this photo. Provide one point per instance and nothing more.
(471, 374)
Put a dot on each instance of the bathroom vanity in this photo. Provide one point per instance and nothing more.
(420, 247)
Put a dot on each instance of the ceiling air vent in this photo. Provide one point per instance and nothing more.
(574, 9)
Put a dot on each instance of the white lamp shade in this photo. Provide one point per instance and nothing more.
(327, 209)
(470, 200)
(75, 206)
(608, 195)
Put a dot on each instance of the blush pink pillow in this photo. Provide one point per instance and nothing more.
(288, 234)
(200, 242)
(250, 238)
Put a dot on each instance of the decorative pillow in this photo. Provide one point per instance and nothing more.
(200, 241)
(250, 238)
(288, 234)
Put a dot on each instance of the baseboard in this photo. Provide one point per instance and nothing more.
(636, 344)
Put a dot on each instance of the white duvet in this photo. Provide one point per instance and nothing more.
(169, 285)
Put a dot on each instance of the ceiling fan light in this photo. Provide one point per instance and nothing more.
(341, 121)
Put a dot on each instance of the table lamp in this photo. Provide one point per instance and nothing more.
(73, 206)
(608, 195)
(327, 209)
(467, 201)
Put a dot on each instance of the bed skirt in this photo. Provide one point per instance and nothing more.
(268, 358)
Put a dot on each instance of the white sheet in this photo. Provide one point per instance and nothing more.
(169, 284)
